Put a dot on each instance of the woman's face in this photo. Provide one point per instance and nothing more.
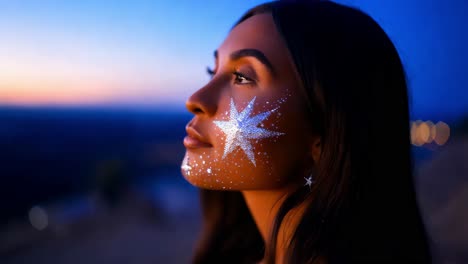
(250, 129)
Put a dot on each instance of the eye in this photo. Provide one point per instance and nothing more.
(240, 78)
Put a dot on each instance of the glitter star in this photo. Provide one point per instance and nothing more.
(309, 181)
(240, 129)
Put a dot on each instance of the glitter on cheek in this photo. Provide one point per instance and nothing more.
(185, 165)
(241, 128)
(243, 132)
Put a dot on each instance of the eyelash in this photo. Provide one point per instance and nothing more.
(239, 77)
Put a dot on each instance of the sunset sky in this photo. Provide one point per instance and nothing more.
(150, 53)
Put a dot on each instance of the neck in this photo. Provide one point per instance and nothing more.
(264, 206)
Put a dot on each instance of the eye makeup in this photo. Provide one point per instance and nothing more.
(247, 72)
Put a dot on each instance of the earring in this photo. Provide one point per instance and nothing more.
(309, 180)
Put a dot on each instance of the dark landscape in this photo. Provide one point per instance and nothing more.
(97, 185)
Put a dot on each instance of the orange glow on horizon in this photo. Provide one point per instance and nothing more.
(29, 83)
(61, 93)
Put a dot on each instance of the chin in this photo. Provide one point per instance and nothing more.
(229, 183)
(209, 170)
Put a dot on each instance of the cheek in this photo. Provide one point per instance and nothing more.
(208, 169)
(254, 152)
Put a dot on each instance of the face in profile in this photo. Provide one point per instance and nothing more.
(249, 129)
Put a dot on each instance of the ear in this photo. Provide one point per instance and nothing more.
(315, 147)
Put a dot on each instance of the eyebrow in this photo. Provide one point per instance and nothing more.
(251, 53)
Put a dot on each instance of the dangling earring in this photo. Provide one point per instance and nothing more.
(309, 180)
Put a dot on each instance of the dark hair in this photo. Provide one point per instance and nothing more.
(362, 207)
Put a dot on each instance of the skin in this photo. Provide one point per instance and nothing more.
(282, 161)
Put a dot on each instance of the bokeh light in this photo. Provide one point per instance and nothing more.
(38, 218)
(432, 131)
(425, 132)
(442, 133)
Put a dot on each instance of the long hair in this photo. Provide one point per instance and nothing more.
(362, 207)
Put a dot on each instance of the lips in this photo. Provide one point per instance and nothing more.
(194, 140)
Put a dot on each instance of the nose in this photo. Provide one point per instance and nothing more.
(203, 101)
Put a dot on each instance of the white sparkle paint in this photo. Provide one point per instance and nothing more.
(241, 128)
(185, 165)
(309, 181)
(210, 169)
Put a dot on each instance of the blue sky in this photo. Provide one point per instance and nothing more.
(149, 53)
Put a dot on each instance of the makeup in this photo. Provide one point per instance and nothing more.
(241, 128)
(185, 165)
(238, 146)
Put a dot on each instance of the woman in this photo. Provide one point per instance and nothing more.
(300, 142)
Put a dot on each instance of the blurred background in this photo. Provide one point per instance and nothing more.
(92, 119)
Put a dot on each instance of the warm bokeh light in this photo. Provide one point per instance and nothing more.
(415, 139)
(432, 132)
(442, 133)
(425, 132)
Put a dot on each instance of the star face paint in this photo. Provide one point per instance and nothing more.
(250, 127)
(241, 128)
(242, 133)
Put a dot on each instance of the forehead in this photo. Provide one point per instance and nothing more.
(257, 32)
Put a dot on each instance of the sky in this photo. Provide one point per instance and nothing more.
(152, 53)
